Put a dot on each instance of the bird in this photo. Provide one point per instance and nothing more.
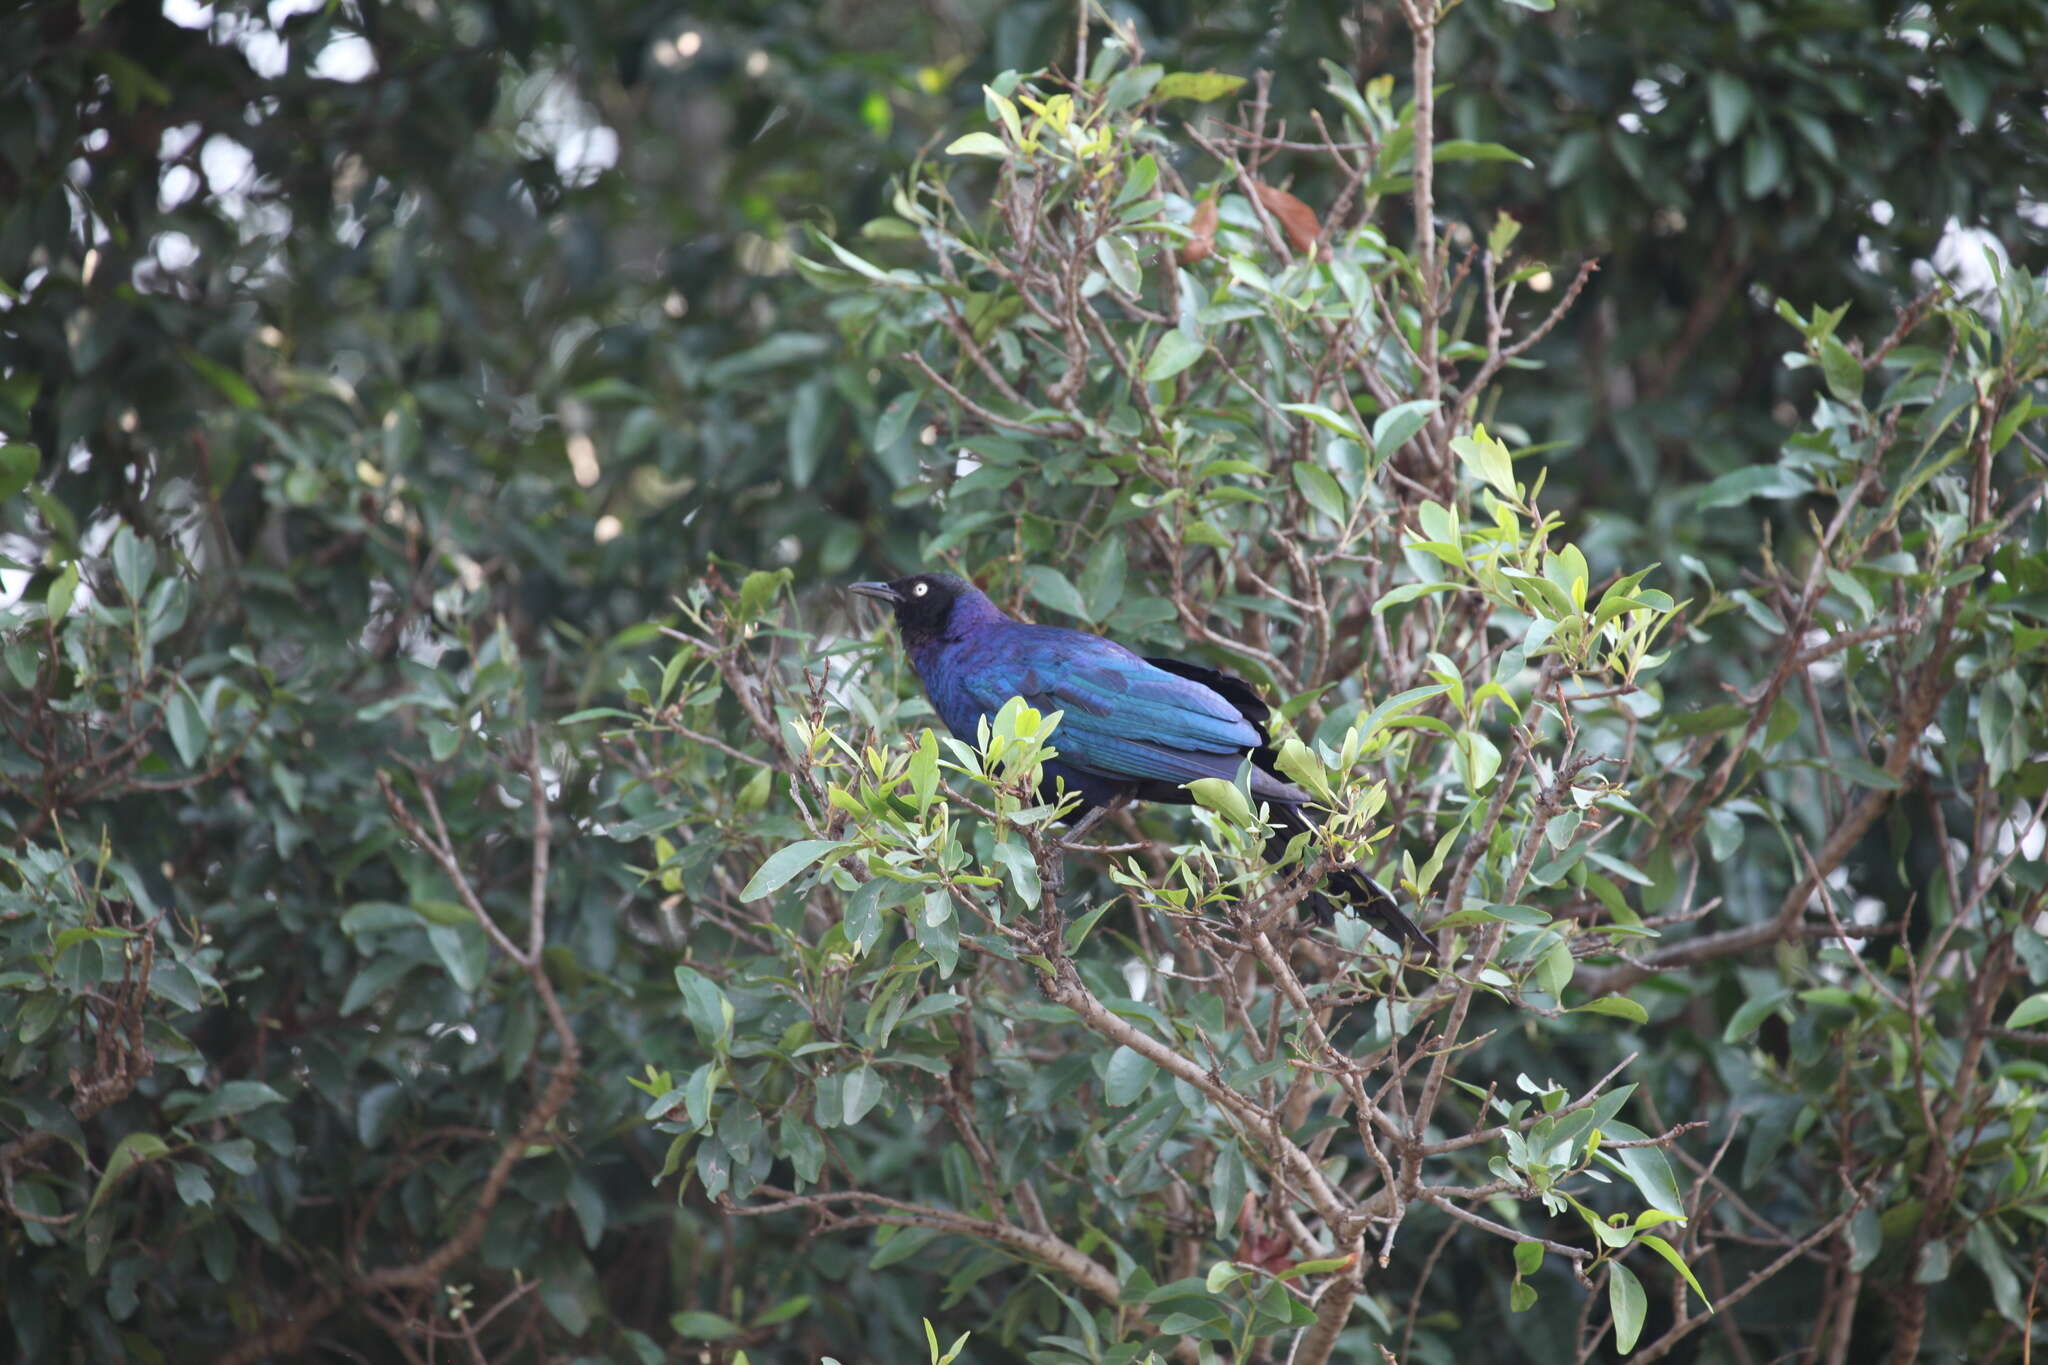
(1133, 728)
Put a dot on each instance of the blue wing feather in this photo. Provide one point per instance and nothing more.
(1122, 716)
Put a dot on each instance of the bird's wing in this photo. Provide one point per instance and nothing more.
(1122, 716)
(1228, 686)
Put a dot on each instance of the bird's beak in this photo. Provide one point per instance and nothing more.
(880, 591)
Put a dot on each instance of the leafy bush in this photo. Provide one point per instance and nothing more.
(1205, 417)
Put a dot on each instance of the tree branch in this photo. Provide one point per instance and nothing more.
(288, 1337)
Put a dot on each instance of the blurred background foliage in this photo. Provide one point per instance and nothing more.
(372, 375)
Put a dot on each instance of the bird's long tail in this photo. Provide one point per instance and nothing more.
(1364, 894)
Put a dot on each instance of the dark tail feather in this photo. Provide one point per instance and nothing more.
(1364, 894)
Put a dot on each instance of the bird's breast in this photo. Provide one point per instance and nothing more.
(947, 670)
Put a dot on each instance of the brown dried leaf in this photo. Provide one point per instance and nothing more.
(1202, 245)
(1297, 220)
(1271, 1252)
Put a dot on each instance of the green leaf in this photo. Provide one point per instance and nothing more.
(1408, 592)
(1647, 1167)
(1842, 371)
(1498, 914)
(1850, 587)
(784, 864)
(1626, 1298)
(1708, 720)
(1324, 417)
(1488, 458)
(1301, 766)
(1863, 773)
(193, 1186)
(1620, 1006)
(1213, 793)
(232, 386)
(1458, 149)
(1102, 582)
(1754, 481)
(1965, 86)
(862, 923)
(1724, 834)
(1175, 352)
(902, 1244)
(1321, 490)
(861, 1091)
(1866, 1237)
(236, 1154)
(1128, 1076)
(710, 1013)
(233, 1097)
(757, 592)
(1575, 155)
(1119, 259)
(18, 465)
(924, 770)
(1138, 182)
(130, 1152)
(1728, 105)
(1052, 588)
(376, 1112)
(1196, 85)
(977, 144)
(1022, 867)
(1752, 1013)
(805, 431)
(1670, 1253)
(1610, 1234)
(464, 951)
(62, 589)
(1322, 1266)
(1816, 133)
(1398, 704)
(1763, 162)
(700, 1326)
(894, 421)
(1528, 1257)
(187, 726)
(864, 268)
(63, 526)
(174, 982)
(134, 562)
(2029, 1011)
(435, 911)
(1482, 759)
(1397, 425)
(938, 930)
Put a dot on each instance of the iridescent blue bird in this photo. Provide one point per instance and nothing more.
(1133, 728)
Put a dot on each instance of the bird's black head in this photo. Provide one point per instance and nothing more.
(923, 602)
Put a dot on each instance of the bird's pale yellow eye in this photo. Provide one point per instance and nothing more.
(921, 589)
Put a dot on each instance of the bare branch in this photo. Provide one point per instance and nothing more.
(1069, 1260)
